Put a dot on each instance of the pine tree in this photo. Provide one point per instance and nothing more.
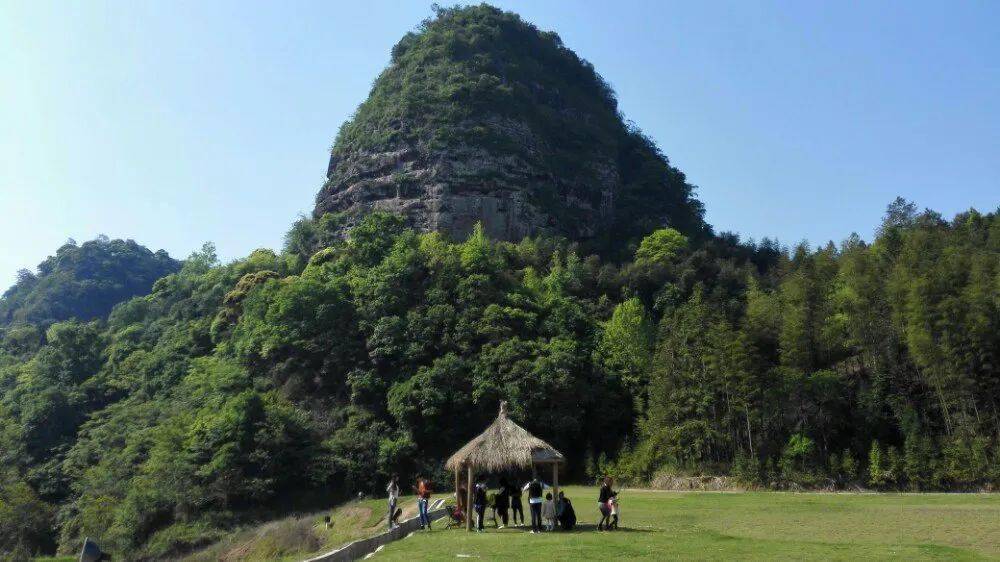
(877, 476)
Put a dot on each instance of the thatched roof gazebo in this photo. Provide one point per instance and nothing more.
(503, 446)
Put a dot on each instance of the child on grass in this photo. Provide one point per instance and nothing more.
(549, 513)
(613, 503)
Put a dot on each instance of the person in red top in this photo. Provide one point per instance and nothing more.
(423, 489)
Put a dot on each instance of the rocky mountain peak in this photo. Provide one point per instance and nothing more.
(481, 117)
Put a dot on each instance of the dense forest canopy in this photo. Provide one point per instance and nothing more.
(83, 282)
(235, 391)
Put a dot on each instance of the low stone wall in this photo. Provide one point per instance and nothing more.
(362, 547)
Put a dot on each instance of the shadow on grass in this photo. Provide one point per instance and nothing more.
(585, 528)
(577, 529)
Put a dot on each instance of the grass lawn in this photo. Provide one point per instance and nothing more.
(756, 525)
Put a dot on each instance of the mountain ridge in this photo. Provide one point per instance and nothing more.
(84, 281)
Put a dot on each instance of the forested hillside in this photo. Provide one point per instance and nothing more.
(83, 281)
(285, 379)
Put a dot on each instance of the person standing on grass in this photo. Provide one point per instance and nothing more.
(423, 490)
(535, 504)
(503, 502)
(602, 503)
(549, 513)
(393, 490)
(560, 506)
(479, 503)
(516, 507)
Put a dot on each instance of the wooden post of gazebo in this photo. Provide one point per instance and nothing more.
(468, 501)
(555, 482)
(503, 446)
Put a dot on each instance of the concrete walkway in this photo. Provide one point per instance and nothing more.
(363, 547)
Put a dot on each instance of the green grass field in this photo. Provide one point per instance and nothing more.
(756, 526)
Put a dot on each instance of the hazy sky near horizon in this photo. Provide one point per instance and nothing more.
(175, 123)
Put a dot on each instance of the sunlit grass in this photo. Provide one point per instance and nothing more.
(755, 526)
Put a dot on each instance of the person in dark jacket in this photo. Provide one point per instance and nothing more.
(502, 502)
(602, 503)
(516, 507)
(566, 513)
(535, 504)
(479, 503)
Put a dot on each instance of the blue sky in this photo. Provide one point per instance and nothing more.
(176, 123)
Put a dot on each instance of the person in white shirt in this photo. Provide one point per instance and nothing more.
(393, 490)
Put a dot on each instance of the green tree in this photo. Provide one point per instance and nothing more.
(25, 520)
(661, 246)
(626, 347)
(877, 472)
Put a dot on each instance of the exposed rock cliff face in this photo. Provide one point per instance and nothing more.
(482, 118)
(435, 191)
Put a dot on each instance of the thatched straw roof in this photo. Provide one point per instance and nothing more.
(502, 446)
